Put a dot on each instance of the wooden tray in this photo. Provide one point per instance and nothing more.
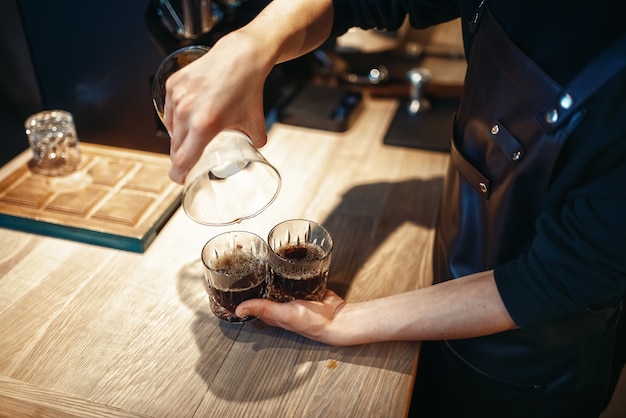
(118, 198)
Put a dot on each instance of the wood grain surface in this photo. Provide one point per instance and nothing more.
(92, 331)
(117, 197)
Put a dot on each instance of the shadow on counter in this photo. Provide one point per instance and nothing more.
(367, 216)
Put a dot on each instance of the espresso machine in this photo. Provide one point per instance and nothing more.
(178, 23)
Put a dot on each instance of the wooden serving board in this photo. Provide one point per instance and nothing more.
(118, 198)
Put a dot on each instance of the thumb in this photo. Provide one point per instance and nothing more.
(257, 136)
(254, 126)
(260, 308)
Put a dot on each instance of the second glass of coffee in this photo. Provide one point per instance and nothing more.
(299, 260)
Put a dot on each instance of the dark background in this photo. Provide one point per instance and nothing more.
(96, 60)
(93, 59)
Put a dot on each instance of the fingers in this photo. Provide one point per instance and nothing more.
(190, 131)
(197, 110)
(191, 135)
(182, 161)
(187, 145)
(331, 298)
(300, 316)
(259, 138)
(264, 309)
(255, 127)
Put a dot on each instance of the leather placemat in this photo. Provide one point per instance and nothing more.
(430, 130)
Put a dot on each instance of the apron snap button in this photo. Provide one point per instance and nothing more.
(552, 116)
(566, 101)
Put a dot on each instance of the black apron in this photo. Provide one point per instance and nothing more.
(510, 127)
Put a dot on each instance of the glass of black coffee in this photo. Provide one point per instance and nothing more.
(299, 260)
(235, 268)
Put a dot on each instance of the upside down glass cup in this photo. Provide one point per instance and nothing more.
(54, 143)
(231, 181)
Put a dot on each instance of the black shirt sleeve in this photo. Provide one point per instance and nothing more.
(390, 14)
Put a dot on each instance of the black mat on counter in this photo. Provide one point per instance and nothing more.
(322, 107)
(430, 130)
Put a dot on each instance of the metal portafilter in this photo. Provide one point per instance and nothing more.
(418, 77)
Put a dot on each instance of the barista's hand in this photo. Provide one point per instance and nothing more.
(466, 307)
(308, 318)
(222, 89)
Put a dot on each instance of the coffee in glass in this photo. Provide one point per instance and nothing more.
(299, 260)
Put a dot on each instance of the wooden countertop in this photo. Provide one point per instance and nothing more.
(93, 331)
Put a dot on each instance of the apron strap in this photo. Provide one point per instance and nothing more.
(570, 99)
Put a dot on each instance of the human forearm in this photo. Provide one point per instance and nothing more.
(287, 29)
(462, 308)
